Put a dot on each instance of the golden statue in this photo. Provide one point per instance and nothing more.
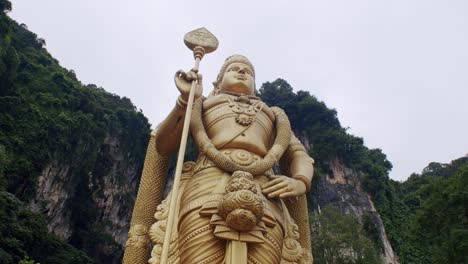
(230, 206)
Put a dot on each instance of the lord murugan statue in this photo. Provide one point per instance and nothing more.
(231, 206)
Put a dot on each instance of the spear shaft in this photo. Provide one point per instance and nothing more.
(201, 44)
(178, 173)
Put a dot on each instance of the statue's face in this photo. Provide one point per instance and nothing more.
(238, 78)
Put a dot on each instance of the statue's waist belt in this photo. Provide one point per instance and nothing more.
(239, 156)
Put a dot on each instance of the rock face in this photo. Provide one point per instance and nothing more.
(51, 198)
(341, 188)
(115, 192)
(112, 185)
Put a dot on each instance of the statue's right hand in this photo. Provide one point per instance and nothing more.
(183, 81)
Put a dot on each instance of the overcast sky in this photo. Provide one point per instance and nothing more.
(396, 71)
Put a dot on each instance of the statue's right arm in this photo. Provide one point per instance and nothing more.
(169, 132)
(164, 141)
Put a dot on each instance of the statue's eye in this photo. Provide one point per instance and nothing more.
(234, 68)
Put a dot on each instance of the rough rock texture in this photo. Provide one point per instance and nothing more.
(112, 184)
(51, 197)
(114, 193)
(341, 188)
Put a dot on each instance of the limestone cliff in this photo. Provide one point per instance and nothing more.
(112, 186)
(51, 198)
(114, 194)
(342, 189)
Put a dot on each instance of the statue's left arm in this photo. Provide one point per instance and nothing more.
(299, 168)
(298, 164)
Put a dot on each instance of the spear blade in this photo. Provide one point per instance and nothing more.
(201, 38)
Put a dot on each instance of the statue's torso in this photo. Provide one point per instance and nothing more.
(242, 130)
(233, 123)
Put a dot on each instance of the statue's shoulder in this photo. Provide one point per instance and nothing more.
(268, 111)
(213, 100)
(277, 109)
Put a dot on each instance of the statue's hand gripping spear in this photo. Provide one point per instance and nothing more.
(200, 41)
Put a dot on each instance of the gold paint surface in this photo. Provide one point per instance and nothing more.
(201, 38)
(225, 213)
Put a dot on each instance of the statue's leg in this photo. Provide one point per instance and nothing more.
(197, 243)
(268, 252)
(196, 240)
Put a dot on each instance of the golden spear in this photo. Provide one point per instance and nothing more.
(200, 41)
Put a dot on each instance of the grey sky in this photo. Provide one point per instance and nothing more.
(396, 71)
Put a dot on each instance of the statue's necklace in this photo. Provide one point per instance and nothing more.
(244, 108)
(281, 143)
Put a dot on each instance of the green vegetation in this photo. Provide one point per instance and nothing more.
(24, 234)
(48, 116)
(435, 227)
(341, 239)
(26, 260)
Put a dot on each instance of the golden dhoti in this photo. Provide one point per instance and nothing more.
(201, 195)
(197, 242)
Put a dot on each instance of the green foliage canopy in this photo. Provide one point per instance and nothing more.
(338, 238)
(47, 116)
(24, 233)
(435, 229)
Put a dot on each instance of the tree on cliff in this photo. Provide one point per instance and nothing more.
(436, 227)
(340, 239)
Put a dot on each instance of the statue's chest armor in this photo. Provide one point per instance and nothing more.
(238, 124)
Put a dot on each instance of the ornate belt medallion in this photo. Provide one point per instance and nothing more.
(241, 157)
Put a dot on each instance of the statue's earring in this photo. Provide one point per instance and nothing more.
(216, 89)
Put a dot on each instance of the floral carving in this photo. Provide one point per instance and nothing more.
(242, 206)
(138, 236)
(245, 110)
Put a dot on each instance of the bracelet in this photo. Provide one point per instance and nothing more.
(303, 179)
(181, 102)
